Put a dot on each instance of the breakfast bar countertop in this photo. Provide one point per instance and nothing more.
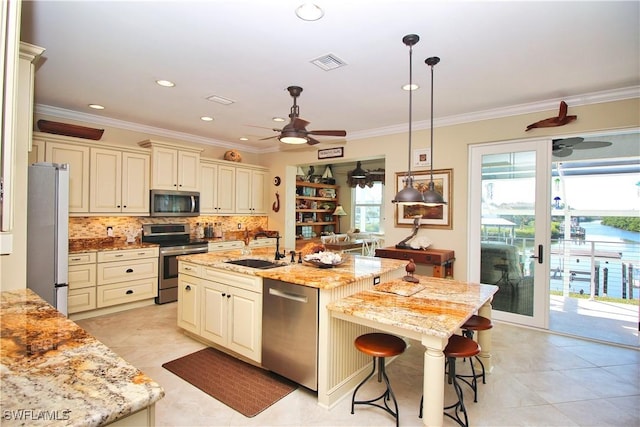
(55, 373)
(354, 268)
(434, 307)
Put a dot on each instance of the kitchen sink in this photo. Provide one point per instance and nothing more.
(255, 263)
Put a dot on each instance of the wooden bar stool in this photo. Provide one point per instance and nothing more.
(379, 346)
(457, 347)
(476, 323)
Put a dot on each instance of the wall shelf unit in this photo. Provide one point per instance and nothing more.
(315, 203)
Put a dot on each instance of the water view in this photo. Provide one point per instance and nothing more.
(614, 253)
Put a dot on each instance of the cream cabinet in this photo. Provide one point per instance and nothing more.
(251, 191)
(126, 276)
(77, 156)
(172, 168)
(223, 308)
(216, 183)
(36, 155)
(82, 282)
(225, 245)
(119, 182)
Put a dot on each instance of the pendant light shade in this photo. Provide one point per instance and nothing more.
(409, 195)
(431, 196)
(358, 172)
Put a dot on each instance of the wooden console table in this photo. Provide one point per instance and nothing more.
(441, 259)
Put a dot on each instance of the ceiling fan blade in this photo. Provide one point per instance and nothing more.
(328, 132)
(562, 152)
(271, 137)
(312, 141)
(585, 145)
(299, 123)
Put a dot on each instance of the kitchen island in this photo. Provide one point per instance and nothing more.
(340, 365)
(55, 373)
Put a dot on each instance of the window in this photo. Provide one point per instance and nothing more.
(367, 208)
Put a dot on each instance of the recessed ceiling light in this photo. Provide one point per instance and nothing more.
(278, 119)
(96, 106)
(165, 83)
(206, 119)
(308, 11)
(410, 87)
(244, 138)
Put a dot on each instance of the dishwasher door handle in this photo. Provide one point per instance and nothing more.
(288, 295)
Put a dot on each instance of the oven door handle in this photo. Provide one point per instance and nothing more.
(170, 252)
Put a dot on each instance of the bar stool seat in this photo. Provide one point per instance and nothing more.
(476, 323)
(379, 346)
(458, 347)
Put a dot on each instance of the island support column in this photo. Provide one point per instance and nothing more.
(432, 382)
(484, 339)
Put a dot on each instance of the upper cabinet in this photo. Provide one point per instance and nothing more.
(77, 156)
(251, 191)
(173, 169)
(216, 181)
(119, 182)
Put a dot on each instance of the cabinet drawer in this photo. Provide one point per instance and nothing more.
(120, 293)
(224, 246)
(81, 300)
(82, 276)
(189, 268)
(112, 272)
(243, 281)
(109, 256)
(83, 258)
(261, 243)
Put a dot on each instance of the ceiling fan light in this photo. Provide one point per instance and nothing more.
(294, 140)
(308, 11)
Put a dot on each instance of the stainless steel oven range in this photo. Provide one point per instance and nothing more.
(174, 240)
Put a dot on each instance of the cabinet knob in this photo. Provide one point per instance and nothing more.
(117, 206)
(188, 288)
(129, 270)
(125, 206)
(129, 292)
(224, 295)
(228, 295)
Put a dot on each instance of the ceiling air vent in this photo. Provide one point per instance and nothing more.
(328, 62)
(220, 100)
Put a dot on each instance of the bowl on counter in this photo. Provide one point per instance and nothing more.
(324, 259)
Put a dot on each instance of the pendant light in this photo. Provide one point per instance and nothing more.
(409, 195)
(358, 172)
(431, 196)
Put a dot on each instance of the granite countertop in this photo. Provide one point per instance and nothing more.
(354, 268)
(55, 373)
(77, 246)
(437, 307)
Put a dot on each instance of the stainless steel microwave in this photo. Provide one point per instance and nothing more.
(174, 203)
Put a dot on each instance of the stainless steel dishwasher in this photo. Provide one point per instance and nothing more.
(290, 331)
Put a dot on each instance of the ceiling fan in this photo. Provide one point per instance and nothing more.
(295, 131)
(564, 147)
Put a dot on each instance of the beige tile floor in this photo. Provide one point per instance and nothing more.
(539, 379)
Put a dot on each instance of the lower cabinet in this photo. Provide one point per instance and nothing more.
(82, 282)
(126, 276)
(223, 308)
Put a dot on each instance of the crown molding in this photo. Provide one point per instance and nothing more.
(136, 127)
(550, 104)
(515, 110)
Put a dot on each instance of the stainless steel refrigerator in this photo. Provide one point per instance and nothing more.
(48, 233)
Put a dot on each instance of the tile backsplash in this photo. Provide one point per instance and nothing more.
(91, 227)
